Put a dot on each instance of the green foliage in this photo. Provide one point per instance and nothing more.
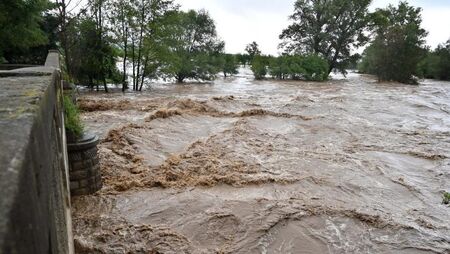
(446, 198)
(20, 24)
(186, 46)
(243, 59)
(72, 118)
(259, 67)
(310, 67)
(398, 48)
(94, 55)
(228, 64)
(252, 50)
(38, 53)
(429, 66)
(436, 64)
(330, 29)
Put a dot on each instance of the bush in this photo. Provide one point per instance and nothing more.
(310, 67)
(72, 119)
(315, 67)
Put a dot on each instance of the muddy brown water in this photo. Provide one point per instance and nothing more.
(244, 166)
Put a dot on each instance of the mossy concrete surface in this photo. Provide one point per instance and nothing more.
(34, 203)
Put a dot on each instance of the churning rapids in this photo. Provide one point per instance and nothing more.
(244, 166)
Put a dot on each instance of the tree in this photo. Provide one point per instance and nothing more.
(20, 24)
(443, 52)
(436, 64)
(398, 46)
(330, 29)
(228, 64)
(35, 54)
(252, 50)
(147, 12)
(187, 46)
(96, 58)
(120, 17)
(259, 67)
(429, 67)
(243, 59)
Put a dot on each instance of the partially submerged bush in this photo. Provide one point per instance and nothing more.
(72, 119)
(310, 67)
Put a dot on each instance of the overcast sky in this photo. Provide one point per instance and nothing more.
(240, 22)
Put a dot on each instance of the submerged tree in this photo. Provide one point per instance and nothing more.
(443, 52)
(187, 46)
(259, 67)
(330, 29)
(120, 15)
(310, 67)
(398, 46)
(252, 50)
(228, 65)
(436, 64)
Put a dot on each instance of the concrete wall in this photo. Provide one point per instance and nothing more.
(34, 194)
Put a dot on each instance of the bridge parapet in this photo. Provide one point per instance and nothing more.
(34, 192)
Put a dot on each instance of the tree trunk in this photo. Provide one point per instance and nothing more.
(141, 32)
(143, 73)
(63, 35)
(133, 60)
(180, 79)
(91, 83)
(125, 49)
(104, 84)
(102, 57)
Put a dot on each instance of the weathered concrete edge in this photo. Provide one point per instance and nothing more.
(17, 166)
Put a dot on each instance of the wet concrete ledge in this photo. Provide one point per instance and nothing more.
(34, 196)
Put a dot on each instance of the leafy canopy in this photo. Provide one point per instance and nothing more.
(328, 28)
(252, 50)
(310, 67)
(187, 46)
(228, 64)
(20, 24)
(436, 64)
(398, 46)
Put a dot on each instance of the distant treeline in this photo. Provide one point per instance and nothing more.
(329, 31)
(154, 39)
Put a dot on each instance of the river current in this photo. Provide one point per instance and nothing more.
(243, 166)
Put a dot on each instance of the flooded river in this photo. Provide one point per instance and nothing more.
(244, 166)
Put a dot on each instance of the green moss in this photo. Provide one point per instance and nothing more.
(72, 117)
(32, 93)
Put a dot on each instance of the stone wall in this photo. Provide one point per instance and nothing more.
(34, 194)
